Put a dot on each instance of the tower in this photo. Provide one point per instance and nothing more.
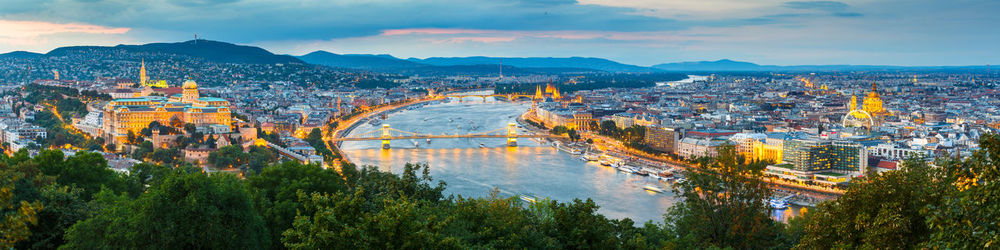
(190, 91)
(538, 92)
(142, 74)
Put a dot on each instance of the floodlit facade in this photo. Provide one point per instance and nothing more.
(134, 114)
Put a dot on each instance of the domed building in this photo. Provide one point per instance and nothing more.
(190, 93)
(125, 115)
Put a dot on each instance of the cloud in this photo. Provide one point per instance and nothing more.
(33, 32)
(817, 5)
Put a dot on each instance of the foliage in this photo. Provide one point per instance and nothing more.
(251, 161)
(315, 139)
(966, 217)
(275, 190)
(882, 211)
(724, 205)
(185, 210)
(15, 217)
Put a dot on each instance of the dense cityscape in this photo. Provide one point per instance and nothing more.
(211, 144)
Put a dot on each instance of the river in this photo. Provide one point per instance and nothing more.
(529, 169)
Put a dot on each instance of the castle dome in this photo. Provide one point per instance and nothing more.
(189, 84)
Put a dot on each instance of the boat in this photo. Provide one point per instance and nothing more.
(528, 199)
(482, 145)
(642, 172)
(779, 204)
(428, 140)
(605, 162)
(375, 122)
(665, 175)
(591, 157)
(653, 188)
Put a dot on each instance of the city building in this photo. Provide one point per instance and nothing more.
(662, 138)
(122, 116)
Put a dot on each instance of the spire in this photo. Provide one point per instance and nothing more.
(873, 87)
(142, 73)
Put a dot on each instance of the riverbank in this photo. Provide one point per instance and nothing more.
(635, 157)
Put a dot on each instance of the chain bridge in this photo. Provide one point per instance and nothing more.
(386, 134)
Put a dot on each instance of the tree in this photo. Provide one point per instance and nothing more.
(724, 205)
(276, 190)
(184, 210)
(880, 211)
(88, 171)
(966, 217)
(15, 217)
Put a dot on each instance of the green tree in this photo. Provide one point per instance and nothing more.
(184, 210)
(724, 205)
(15, 217)
(966, 218)
(276, 189)
(878, 212)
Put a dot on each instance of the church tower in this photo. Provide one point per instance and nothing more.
(142, 74)
(190, 92)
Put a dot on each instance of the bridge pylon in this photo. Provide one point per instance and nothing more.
(511, 135)
(385, 136)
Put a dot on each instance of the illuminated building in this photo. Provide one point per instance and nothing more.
(662, 138)
(873, 103)
(826, 162)
(134, 114)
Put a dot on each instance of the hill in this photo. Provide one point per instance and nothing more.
(20, 55)
(213, 51)
(720, 65)
(358, 61)
(600, 64)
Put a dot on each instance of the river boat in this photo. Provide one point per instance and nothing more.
(665, 175)
(375, 122)
(778, 204)
(591, 157)
(528, 198)
(482, 145)
(428, 140)
(653, 188)
(642, 172)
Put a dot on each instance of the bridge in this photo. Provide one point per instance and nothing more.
(386, 134)
(484, 96)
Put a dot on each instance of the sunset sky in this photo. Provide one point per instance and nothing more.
(642, 32)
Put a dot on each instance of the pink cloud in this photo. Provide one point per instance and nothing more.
(23, 29)
(473, 39)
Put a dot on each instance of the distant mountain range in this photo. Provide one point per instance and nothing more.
(537, 62)
(213, 51)
(456, 65)
(360, 61)
(726, 65)
(222, 52)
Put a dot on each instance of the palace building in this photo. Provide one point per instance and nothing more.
(134, 114)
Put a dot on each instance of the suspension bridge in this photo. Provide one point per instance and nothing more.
(484, 96)
(386, 134)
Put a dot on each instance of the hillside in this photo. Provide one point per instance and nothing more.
(20, 55)
(213, 51)
(358, 61)
(538, 62)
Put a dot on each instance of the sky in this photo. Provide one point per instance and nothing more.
(641, 32)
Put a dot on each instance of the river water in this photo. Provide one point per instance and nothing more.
(531, 168)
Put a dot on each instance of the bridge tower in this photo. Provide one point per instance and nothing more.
(512, 135)
(385, 136)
